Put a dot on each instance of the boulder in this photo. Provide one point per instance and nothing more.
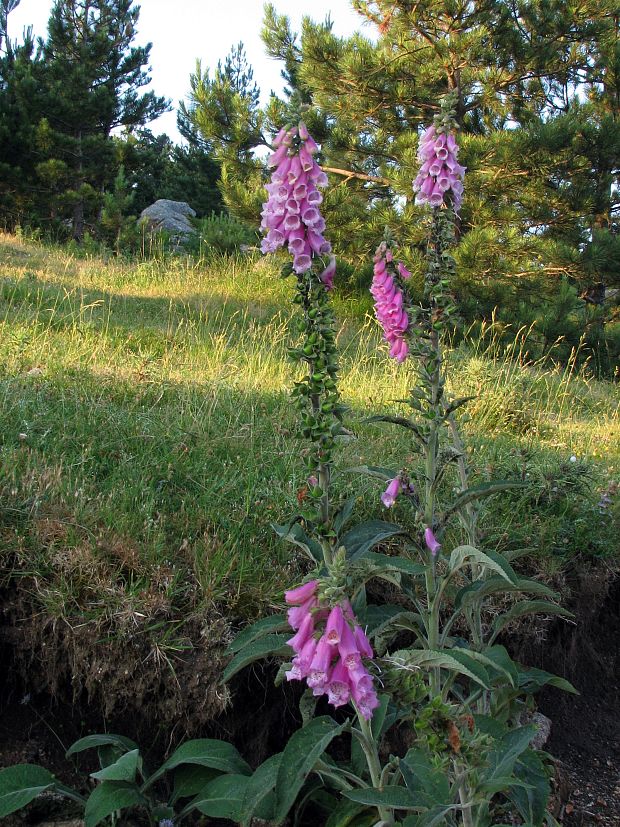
(171, 216)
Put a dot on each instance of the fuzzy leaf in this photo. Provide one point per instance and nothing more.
(361, 539)
(257, 649)
(479, 492)
(301, 753)
(262, 627)
(222, 797)
(92, 741)
(394, 563)
(490, 560)
(455, 661)
(480, 589)
(190, 779)
(259, 786)
(375, 471)
(532, 679)
(123, 769)
(21, 784)
(344, 513)
(109, 797)
(395, 798)
(205, 752)
(294, 533)
(526, 607)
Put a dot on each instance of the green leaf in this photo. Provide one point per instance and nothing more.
(455, 661)
(497, 658)
(205, 752)
(300, 755)
(503, 756)
(345, 814)
(361, 539)
(532, 679)
(384, 474)
(91, 741)
(394, 798)
(490, 560)
(435, 817)
(123, 769)
(480, 589)
(479, 492)
(262, 627)
(259, 786)
(424, 780)
(395, 563)
(526, 607)
(190, 779)
(257, 649)
(21, 784)
(294, 533)
(109, 797)
(344, 514)
(531, 795)
(222, 797)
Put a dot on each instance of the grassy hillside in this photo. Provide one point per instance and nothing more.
(146, 443)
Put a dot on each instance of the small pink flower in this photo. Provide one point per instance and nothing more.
(402, 271)
(339, 688)
(306, 630)
(300, 594)
(348, 648)
(333, 628)
(388, 498)
(431, 543)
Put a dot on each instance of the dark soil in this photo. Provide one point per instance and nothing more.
(585, 736)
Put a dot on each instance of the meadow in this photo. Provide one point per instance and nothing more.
(147, 442)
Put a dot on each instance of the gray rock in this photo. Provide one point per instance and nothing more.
(543, 727)
(171, 216)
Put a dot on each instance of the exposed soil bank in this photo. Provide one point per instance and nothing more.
(45, 706)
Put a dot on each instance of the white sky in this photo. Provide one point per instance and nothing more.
(183, 30)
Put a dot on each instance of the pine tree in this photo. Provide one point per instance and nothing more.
(94, 75)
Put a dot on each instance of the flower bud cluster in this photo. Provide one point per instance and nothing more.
(291, 215)
(389, 301)
(329, 646)
(440, 171)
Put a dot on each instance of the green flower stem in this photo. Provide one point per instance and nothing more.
(466, 804)
(367, 742)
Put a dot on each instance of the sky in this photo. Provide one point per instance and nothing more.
(184, 30)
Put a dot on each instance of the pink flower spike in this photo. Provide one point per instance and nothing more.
(299, 595)
(431, 543)
(333, 627)
(321, 662)
(388, 498)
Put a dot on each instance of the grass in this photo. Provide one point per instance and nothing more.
(147, 438)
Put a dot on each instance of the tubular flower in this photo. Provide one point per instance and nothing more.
(431, 543)
(439, 172)
(330, 660)
(389, 310)
(291, 215)
(388, 498)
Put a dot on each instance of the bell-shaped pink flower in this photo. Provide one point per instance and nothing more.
(334, 625)
(299, 595)
(388, 498)
(431, 543)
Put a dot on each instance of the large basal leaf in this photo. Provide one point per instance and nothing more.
(300, 755)
(223, 797)
(263, 647)
(205, 752)
(190, 779)
(123, 769)
(347, 814)
(259, 786)
(109, 797)
(496, 658)
(294, 533)
(396, 798)
(365, 536)
(92, 741)
(489, 560)
(374, 617)
(434, 817)
(262, 627)
(21, 784)
(527, 607)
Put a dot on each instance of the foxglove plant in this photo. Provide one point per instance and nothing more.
(399, 666)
